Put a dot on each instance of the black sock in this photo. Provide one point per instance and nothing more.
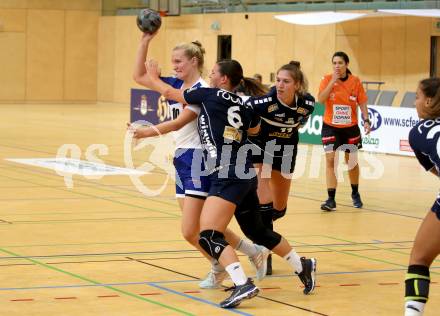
(354, 189)
(331, 193)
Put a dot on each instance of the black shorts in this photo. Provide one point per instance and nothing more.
(335, 137)
(436, 207)
(242, 193)
(284, 164)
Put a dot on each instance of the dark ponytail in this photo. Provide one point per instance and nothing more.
(251, 87)
(233, 70)
(344, 56)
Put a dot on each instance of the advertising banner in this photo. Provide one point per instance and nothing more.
(390, 127)
(148, 105)
(311, 132)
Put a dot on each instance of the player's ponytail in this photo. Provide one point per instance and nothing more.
(294, 69)
(233, 70)
(430, 87)
(251, 87)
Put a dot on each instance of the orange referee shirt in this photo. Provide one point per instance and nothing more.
(344, 98)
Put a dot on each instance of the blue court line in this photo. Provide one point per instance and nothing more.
(187, 281)
(232, 310)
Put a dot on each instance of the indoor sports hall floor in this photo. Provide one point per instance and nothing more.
(103, 248)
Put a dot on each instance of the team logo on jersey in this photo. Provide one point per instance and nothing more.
(280, 114)
(302, 111)
(290, 120)
(232, 134)
(272, 108)
(375, 118)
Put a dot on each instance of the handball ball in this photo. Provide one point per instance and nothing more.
(148, 21)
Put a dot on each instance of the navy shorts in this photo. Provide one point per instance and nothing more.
(242, 193)
(334, 137)
(436, 207)
(190, 180)
(284, 164)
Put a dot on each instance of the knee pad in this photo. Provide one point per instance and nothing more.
(276, 214)
(213, 242)
(267, 238)
(417, 283)
(265, 211)
(251, 224)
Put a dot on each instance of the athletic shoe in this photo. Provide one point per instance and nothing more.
(239, 293)
(259, 261)
(329, 205)
(307, 275)
(213, 280)
(357, 202)
(269, 265)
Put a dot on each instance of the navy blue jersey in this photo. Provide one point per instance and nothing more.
(424, 140)
(222, 125)
(280, 122)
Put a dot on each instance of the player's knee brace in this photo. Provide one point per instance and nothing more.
(276, 214)
(417, 283)
(266, 214)
(251, 224)
(267, 238)
(213, 242)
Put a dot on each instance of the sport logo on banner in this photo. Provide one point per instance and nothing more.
(375, 119)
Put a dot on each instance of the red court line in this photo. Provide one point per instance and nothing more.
(66, 298)
(154, 293)
(22, 300)
(270, 288)
(188, 292)
(388, 283)
(353, 284)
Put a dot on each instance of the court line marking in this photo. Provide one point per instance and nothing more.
(54, 287)
(77, 276)
(377, 247)
(259, 296)
(360, 211)
(198, 299)
(88, 220)
(364, 257)
(98, 197)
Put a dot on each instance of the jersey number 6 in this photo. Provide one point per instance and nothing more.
(234, 118)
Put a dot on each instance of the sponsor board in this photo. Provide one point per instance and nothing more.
(148, 105)
(390, 127)
(310, 133)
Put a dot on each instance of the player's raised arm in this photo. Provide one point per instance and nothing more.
(154, 82)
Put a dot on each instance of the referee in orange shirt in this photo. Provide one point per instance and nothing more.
(342, 93)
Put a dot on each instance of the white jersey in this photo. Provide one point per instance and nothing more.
(187, 136)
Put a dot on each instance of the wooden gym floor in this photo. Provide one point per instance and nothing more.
(102, 248)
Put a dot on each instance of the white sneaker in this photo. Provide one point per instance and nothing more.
(213, 280)
(259, 261)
